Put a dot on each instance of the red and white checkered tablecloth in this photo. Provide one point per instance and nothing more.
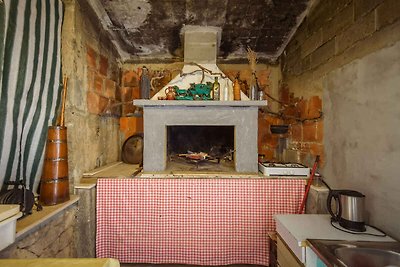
(191, 221)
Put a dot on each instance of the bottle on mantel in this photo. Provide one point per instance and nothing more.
(236, 89)
(254, 88)
(216, 88)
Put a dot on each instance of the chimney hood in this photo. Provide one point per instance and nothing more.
(201, 45)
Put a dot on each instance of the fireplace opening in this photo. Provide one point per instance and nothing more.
(200, 148)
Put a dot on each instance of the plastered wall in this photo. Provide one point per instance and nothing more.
(346, 53)
(91, 65)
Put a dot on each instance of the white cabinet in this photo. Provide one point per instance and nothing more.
(285, 256)
(295, 229)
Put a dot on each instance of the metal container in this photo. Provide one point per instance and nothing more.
(349, 209)
(260, 95)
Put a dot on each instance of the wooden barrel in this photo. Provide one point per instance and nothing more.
(54, 183)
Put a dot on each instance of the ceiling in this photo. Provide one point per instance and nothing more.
(151, 28)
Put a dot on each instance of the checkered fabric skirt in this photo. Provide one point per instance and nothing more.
(191, 221)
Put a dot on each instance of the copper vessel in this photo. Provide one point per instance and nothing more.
(54, 184)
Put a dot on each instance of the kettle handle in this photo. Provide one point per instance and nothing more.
(334, 194)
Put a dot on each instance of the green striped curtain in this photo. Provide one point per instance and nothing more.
(30, 78)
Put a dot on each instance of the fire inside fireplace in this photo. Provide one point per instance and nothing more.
(206, 148)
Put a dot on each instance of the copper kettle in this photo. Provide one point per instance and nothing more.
(170, 93)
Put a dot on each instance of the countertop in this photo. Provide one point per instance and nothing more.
(295, 229)
(124, 170)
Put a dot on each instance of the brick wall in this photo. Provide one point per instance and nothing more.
(337, 32)
(268, 77)
(102, 83)
(334, 33)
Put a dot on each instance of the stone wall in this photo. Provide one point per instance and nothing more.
(344, 58)
(91, 64)
(53, 239)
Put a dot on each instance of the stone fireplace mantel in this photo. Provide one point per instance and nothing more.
(158, 114)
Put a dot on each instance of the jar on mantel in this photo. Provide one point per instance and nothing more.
(254, 88)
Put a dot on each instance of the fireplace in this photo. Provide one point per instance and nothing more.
(238, 120)
(205, 148)
(239, 117)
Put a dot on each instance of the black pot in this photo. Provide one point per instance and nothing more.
(279, 129)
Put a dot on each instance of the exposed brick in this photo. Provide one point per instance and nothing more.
(317, 149)
(291, 111)
(130, 78)
(96, 103)
(90, 79)
(114, 72)
(263, 130)
(322, 54)
(103, 66)
(136, 93)
(273, 120)
(98, 83)
(309, 131)
(263, 77)
(362, 7)
(312, 43)
(117, 93)
(388, 12)
(359, 30)
(302, 108)
(342, 20)
(272, 140)
(284, 94)
(130, 126)
(110, 89)
(320, 131)
(126, 94)
(91, 57)
(313, 131)
(314, 107)
(269, 153)
(296, 132)
(128, 109)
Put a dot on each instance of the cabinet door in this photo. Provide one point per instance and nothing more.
(285, 256)
(312, 259)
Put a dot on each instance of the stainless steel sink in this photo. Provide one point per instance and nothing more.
(357, 253)
(354, 257)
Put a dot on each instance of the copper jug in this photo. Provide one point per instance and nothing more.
(170, 93)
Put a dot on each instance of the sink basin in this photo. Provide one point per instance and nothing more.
(357, 253)
(356, 256)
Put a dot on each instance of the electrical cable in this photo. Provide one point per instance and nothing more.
(351, 232)
(360, 233)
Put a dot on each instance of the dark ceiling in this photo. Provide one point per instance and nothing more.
(151, 28)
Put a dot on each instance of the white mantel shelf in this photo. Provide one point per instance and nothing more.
(200, 103)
